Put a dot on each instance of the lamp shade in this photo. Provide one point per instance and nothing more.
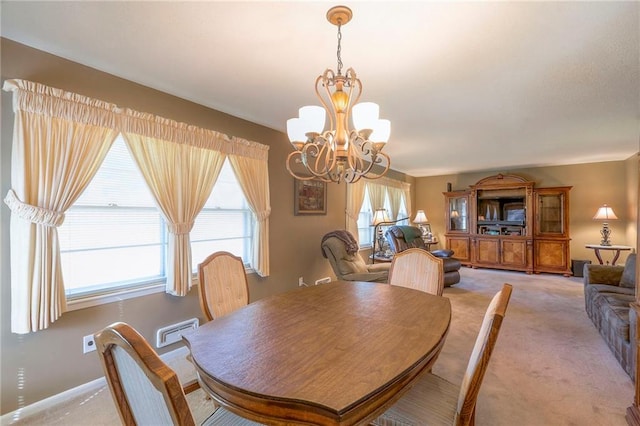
(365, 115)
(605, 213)
(420, 217)
(380, 216)
(311, 119)
(381, 132)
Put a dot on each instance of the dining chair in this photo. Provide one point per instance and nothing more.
(418, 269)
(145, 390)
(223, 286)
(436, 401)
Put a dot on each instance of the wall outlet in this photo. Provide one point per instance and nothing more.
(88, 344)
(301, 282)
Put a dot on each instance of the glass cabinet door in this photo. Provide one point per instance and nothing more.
(551, 210)
(459, 214)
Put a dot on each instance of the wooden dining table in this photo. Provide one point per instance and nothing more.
(333, 354)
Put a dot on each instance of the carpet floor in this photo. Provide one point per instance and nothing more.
(550, 366)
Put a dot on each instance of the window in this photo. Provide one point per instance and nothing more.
(365, 217)
(225, 222)
(114, 236)
(365, 230)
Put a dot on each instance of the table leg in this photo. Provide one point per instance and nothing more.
(598, 255)
(615, 257)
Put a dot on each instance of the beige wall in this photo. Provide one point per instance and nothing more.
(594, 184)
(51, 361)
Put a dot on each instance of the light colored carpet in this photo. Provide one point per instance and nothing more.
(550, 365)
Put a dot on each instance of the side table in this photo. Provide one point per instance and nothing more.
(379, 257)
(597, 247)
(428, 243)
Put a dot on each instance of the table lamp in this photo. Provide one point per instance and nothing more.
(422, 221)
(380, 217)
(605, 213)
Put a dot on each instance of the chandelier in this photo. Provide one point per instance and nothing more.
(341, 153)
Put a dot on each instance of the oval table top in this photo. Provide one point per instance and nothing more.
(337, 353)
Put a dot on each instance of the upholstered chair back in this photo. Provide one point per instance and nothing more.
(401, 238)
(223, 285)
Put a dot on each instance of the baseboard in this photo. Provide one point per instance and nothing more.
(86, 388)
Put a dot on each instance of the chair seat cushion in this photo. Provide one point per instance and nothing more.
(431, 401)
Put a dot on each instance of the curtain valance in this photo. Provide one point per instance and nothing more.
(38, 98)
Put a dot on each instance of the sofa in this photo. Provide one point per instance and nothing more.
(401, 238)
(608, 292)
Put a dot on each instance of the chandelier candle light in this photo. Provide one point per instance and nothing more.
(340, 153)
(605, 213)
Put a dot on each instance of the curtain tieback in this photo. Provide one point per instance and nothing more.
(33, 214)
(180, 228)
(264, 214)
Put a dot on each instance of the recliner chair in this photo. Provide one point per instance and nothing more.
(342, 251)
(401, 238)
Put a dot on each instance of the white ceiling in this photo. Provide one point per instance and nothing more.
(468, 86)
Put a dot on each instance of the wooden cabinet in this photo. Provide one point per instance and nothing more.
(551, 230)
(457, 219)
(503, 222)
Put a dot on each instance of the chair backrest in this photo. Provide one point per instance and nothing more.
(402, 238)
(417, 268)
(342, 262)
(485, 342)
(223, 285)
(144, 389)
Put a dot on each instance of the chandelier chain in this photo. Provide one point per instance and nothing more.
(339, 48)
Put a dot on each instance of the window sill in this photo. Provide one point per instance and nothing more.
(88, 301)
(114, 296)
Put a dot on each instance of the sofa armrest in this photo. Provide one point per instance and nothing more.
(381, 276)
(379, 267)
(602, 274)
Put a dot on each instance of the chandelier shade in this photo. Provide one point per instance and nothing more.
(344, 151)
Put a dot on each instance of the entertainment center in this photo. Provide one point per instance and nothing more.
(504, 222)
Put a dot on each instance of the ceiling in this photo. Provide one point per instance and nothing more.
(468, 86)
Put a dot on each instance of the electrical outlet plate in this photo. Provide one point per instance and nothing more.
(88, 344)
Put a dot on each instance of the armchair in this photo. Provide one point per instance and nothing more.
(401, 238)
(341, 249)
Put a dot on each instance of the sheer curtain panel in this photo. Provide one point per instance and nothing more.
(377, 194)
(253, 176)
(59, 141)
(180, 177)
(355, 198)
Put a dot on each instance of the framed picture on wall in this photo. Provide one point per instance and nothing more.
(309, 197)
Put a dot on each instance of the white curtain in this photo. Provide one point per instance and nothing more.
(253, 176)
(180, 178)
(377, 195)
(406, 188)
(355, 198)
(395, 198)
(59, 141)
